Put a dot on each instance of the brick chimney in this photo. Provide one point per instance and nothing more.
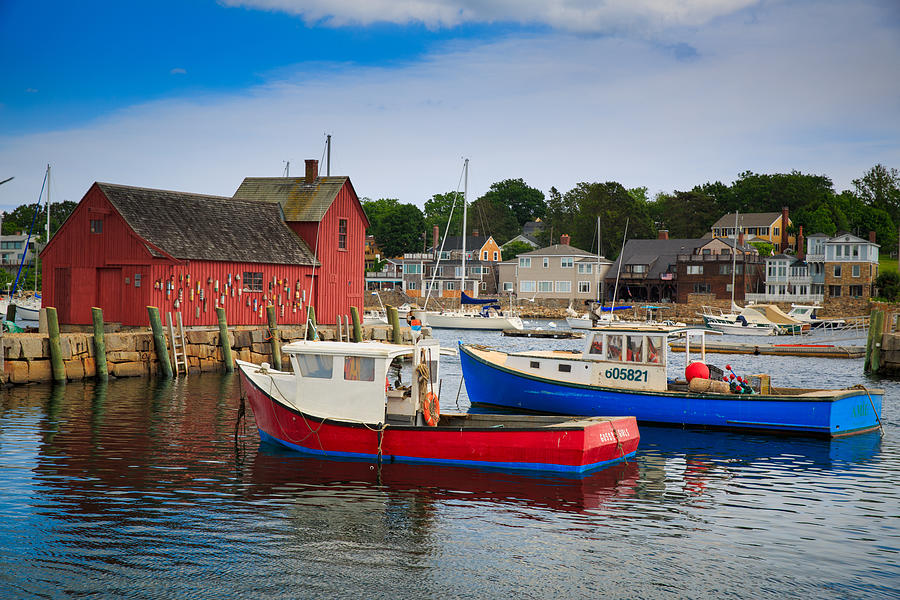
(872, 236)
(663, 234)
(740, 240)
(784, 228)
(564, 239)
(801, 245)
(435, 237)
(474, 233)
(312, 170)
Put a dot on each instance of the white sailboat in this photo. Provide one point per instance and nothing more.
(490, 316)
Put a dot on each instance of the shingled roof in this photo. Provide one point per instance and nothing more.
(659, 255)
(200, 227)
(299, 200)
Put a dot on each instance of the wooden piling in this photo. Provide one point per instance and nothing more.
(224, 341)
(159, 342)
(57, 366)
(273, 333)
(99, 344)
(357, 326)
(394, 320)
(311, 323)
(873, 342)
(339, 327)
(11, 312)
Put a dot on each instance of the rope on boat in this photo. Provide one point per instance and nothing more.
(877, 416)
(618, 441)
(312, 431)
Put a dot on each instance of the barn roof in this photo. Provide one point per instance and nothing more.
(201, 227)
(299, 200)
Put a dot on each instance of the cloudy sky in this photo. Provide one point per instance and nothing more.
(194, 96)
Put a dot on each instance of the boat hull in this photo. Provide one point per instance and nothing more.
(564, 448)
(456, 321)
(840, 413)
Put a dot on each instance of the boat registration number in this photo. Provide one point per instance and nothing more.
(626, 374)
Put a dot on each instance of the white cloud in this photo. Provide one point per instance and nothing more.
(567, 15)
(793, 90)
(178, 71)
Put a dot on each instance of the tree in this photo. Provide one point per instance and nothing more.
(22, 217)
(614, 205)
(888, 285)
(880, 187)
(438, 209)
(491, 217)
(526, 203)
(684, 214)
(513, 249)
(397, 228)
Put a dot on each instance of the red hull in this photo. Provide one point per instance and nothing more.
(576, 448)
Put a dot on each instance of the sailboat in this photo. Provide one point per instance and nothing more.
(490, 316)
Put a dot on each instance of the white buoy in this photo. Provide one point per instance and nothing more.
(551, 324)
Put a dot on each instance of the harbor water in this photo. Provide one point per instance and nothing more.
(143, 488)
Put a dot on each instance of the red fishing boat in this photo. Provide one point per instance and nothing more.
(350, 400)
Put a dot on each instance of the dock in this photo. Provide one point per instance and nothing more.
(813, 350)
(564, 334)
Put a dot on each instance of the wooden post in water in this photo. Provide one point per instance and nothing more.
(159, 341)
(394, 320)
(276, 343)
(224, 341)
(357, 326)
(339, 327)
(311, 322)
(11, 312)
(873, 342)
(56, 362)
(99, 345)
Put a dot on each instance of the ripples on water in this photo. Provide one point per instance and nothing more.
(137, 489)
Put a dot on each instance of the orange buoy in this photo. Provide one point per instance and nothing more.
(431, 407)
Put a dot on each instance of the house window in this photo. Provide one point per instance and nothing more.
(525, 262)
(253, 282)
(546, 263)
(450, 285)
(507, 286)
(707, 251)
(545, 286)
(724, 269)
(837, 270)
(484, 255)
(585, 269)
(695, 269)
(342, 234)
(775, 231)
(638, 268)
(856, 291)
(137, 280)
(564, 286)
(412, 269)
(566, 262)
(855, 270)
(96, 225)
(412, 285)
(702, 288)
(496, 255)
(584, 287)
(526, 286)
(834, 291)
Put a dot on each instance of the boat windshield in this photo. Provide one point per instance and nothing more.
(614, 347)
(635, 351)
(317, 366)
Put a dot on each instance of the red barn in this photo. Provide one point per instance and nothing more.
(327, 214)
(124, 248)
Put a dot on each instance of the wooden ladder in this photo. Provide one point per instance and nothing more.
(176, 341)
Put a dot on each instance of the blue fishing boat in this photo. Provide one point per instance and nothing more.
(623, 370)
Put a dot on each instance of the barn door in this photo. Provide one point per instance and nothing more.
(62, 294)
(109, 294)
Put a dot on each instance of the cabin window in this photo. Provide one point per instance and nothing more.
(597, 345)
(614, 347)
(342, 234)
(654, 349)
(96, 225)
(564, 368)
(316, 366)
(358, 368)
(635, 352)
(253, 282)
(535, 364)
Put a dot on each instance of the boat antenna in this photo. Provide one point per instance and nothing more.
(612, 307)
(328, 155)
(287, 168)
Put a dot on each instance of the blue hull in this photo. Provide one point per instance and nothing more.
(846, 412)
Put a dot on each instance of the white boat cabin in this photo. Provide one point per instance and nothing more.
(358, 382)
(617, 357)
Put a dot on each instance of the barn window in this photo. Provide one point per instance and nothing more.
(137, 280)
(253, 282)
(96, 225)
(342, 234)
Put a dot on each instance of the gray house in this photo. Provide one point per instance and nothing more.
(557, 272)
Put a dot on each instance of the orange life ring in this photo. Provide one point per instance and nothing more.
(431, 407)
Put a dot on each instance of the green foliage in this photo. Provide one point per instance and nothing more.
(685, 215)
(21, 218)
(880, 187)
(397, 228)
(438, 209)
(491, 217)
(764, 248)
(888, 285)
(524, 202)
(514, 249)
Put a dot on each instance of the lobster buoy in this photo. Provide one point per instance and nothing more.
(431, 409)
(696, 369)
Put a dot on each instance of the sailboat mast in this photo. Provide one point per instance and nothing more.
(612, 307)
(462, 285)
(598, 258)
(734, 257)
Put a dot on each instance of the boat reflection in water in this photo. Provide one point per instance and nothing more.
(278, 470)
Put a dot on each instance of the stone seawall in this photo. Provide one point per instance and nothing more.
(26, 356)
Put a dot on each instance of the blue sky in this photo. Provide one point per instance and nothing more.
(194, 95)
